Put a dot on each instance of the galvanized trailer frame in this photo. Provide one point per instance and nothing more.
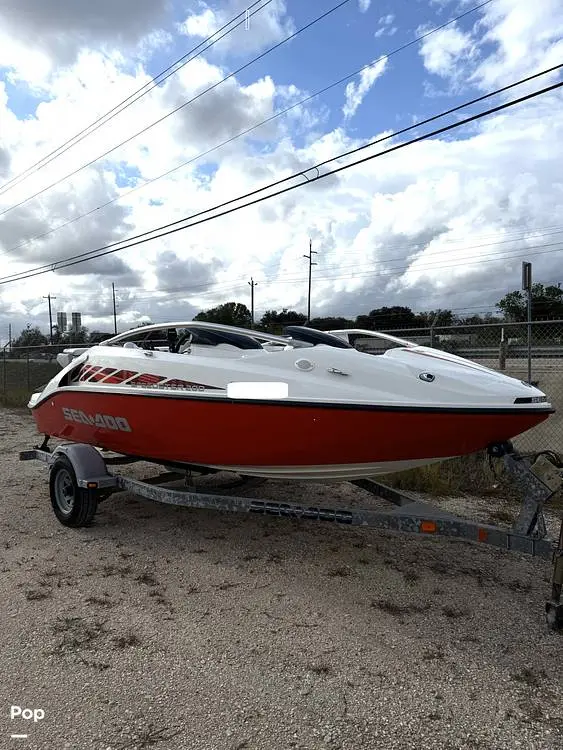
(87, 478)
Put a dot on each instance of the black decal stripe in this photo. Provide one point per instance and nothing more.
(287, 403)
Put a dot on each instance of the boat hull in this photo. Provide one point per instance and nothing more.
(288, 439)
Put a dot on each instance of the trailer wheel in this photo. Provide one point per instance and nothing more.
(73, 505)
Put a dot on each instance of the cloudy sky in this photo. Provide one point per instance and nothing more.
(442, 223)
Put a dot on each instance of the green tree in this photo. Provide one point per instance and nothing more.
(547, 304)
(230, 314)
(436, 318)
(387, 318)
(76, 337)
(274, 321)
(30, 340)
(331, 324)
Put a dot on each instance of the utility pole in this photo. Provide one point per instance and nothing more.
(114, 308)
(311, 264)
(48, 297)
(527, 287)
(252, 284)
(10, 337)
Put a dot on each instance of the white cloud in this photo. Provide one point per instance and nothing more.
(446, 51)
(526, 38)
(384, 26)
(59, 28)
(417, 227)
(355, 92)
(364, 5)
(262, 27)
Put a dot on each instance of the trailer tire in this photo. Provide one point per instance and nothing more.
(73, 505)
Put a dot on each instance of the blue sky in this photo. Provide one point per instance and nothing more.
(345, 41)
(400, 230)
(340, 44)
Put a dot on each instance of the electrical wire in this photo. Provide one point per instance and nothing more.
(369, 271)
(131, 99)
(180, 107)
(280, 113)
(143, 237)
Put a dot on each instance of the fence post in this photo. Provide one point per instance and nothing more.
(5, 374)
(28, 373)
(502, 351)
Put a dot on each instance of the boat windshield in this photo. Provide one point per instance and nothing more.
(373, 342)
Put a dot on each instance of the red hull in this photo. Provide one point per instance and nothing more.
(227, 433)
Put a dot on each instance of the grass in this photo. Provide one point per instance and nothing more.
(19, 378)
(15, 399)
(76, 634)
(467, 474)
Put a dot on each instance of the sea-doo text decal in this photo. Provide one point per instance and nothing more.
(105, 421)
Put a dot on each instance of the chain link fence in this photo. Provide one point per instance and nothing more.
(24, 370)
(533, 353)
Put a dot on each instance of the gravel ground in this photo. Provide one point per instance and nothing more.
(194, 630)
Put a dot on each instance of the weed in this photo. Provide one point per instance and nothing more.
(127, 641)
(340, 572)
(455, 613)
(227, 585)
(431, 654)
(527, 676)
(397, 610)
(411, 576)
(501, 516)
(99, 665)
(322, 668)
(113, 570)
(76, 633)
(517, 585)
(35, 595)
(466, 474)
(147, 578)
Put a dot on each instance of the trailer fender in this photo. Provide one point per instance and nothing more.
(89, 466)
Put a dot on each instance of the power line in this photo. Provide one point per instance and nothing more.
(143, 237)
(177, 109)
(131, 99)
(280, 113)
(383, 259)
(223, 287)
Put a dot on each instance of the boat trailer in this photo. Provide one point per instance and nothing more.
(79, 479)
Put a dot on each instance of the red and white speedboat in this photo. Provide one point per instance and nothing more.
(302, 406)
